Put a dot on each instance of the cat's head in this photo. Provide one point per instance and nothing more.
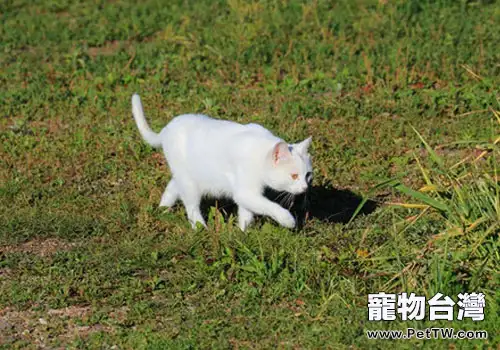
(291, 168)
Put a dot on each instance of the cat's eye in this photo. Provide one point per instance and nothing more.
(295, 176)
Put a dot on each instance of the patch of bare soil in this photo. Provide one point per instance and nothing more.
(46, 329)
(5, 272)
(41, 247)
(52, 126)
(70, 312)
(109, 49)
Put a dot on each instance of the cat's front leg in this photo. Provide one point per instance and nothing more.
(260, 205)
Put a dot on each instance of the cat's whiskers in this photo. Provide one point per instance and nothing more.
(287, 200)
(281, 196)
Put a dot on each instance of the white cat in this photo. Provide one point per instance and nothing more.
(225, 159)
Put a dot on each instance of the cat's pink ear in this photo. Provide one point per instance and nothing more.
(281, 152)
(304, 145)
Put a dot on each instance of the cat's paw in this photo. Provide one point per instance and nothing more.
(245, 217)
(287, 220)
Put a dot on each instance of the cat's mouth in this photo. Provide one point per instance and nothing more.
(301, 191)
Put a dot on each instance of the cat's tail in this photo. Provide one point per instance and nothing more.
(147, 134)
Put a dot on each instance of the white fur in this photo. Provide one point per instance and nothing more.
(222, 158)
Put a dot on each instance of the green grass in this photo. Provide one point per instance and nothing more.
(401, 98)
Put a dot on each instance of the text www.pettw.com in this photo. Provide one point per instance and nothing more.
(428, 333)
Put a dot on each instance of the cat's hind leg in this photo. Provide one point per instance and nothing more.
(170, 195)
(245, 217)
(191, 197)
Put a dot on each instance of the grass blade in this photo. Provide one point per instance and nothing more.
(437, 159)
(421, 197)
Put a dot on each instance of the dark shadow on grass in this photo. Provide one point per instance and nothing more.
(330, 205)
(323, 203)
